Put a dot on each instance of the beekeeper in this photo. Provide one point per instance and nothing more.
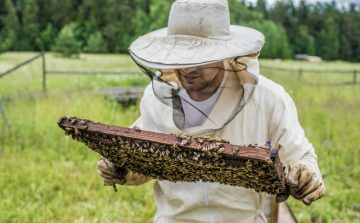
(208, 83)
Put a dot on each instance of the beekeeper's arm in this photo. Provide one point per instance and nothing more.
(112, 174)
(302, 174)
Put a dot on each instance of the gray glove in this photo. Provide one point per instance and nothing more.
(302, 183)
(110, 173)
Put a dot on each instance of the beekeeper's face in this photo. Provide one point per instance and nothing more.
(195, 79)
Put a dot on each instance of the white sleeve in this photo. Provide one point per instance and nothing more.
(288, 136)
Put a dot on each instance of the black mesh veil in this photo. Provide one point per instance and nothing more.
(240, 78)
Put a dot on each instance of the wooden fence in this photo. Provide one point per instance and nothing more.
(50, 72)
(302, 71)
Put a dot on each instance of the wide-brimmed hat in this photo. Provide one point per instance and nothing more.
(198, 33)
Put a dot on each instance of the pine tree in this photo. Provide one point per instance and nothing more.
(30, 25)
(328, 41)
(240, 14)
(345, 49)
(261, 7)
(3, 14)
(304, 43)
(351, 31)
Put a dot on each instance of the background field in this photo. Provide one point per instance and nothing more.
(47, 177)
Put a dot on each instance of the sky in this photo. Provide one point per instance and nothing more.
(340, 3)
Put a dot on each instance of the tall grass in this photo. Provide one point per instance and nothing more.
(47, 177)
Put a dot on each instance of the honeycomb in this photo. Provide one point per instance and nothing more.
(180, 157)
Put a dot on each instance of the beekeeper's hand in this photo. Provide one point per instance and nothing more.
(302, 183)
(110, 173)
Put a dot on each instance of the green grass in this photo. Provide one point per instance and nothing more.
(47, 177)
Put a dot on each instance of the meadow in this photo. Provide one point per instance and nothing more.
(47, 177)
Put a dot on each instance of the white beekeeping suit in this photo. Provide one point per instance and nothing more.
(248, 108)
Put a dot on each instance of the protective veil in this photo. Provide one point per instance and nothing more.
(241, 73)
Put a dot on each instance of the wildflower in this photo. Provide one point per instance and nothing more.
(117, 204)
(327, 143)
(356, 207)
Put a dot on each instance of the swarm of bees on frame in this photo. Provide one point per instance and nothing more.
(176, 163)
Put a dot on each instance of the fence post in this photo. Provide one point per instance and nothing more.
(44, 70)
(300, 73)
(4, 115)
(354, 79)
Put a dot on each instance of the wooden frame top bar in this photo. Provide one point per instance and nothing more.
(167, 139)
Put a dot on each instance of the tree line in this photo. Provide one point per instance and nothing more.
(109, 26)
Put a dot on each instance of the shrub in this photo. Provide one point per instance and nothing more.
(276, 40)
(46, 38)
(7, 40)
(96, 44)
(66, 43)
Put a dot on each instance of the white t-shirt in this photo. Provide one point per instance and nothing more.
(193, 117)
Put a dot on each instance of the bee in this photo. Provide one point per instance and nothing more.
(268, 160)
(151, 150)
(68, 129)
(184, 142)
(82, 122)
(156, 152)
(200, 140)
(196, 156)
(217, 139)
(84, 127)
(198, 146)
(221, 150)
(205, 148)
(67, 133)
(145, 150)
(211, 139)
(176, 145)
(167, 152)
(73, 121)
(77, 132)
(188, 139)
(209, 154)
(235, 150)
(137, 129)
(140, 149)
